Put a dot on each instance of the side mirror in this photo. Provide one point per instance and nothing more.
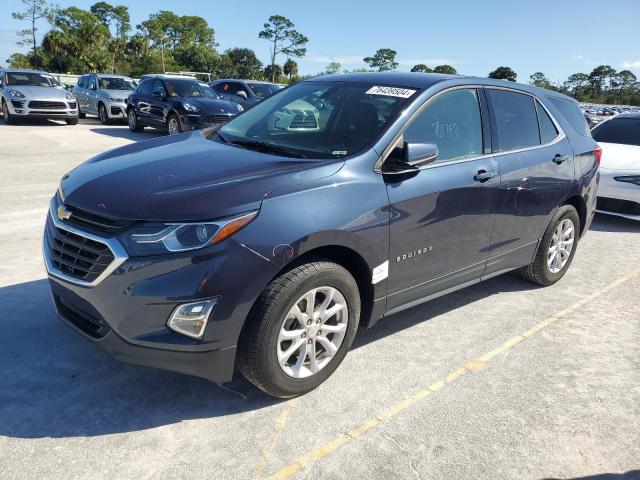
(242, 93)
(419, 154)
(410, 158)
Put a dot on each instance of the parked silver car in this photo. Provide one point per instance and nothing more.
(32, 93)
(104, 95)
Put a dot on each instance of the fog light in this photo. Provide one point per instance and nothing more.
(191, 319)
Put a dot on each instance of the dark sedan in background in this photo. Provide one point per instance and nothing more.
(177, 105)
(245, 92)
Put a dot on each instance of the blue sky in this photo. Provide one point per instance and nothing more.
(557, 37)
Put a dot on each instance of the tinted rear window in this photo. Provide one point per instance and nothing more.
(516, 120)
(623, 130)
(572, 113)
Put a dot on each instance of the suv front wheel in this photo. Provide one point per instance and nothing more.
(6, 116)
(134, 123)
(300, 329)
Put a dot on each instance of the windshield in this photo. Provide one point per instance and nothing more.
(115, 83)
(189, 88)
(317, 120)
(624, 130)
(263, 90)
(31, 79)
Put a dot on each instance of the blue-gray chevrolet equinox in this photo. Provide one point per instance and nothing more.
(265, 243)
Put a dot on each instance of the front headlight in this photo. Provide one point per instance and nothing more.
(70, 96)
(190, 108)
(116, 100)
(162, 238)
(15, 93)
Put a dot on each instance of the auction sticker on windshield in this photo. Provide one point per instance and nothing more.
(391, 91)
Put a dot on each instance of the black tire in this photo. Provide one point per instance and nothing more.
(103, 116)
(538, 271)
(72, 121)
(257, 356)
(7, 117)
(172, 117)
(133, 121)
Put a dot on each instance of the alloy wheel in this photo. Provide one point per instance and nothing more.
(561, 245)
(5, 112)
(312, 332)
(132, 119)
(174, 128)
(103, 114)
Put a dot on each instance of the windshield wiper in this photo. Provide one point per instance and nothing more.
(266, 147)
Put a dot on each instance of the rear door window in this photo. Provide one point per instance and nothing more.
(516, 120)
(624, 130)
(571, 112)
(548, 130)
(452, 121)
(145, 87)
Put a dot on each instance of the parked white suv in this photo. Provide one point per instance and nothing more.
(104, 95)
(32, 93)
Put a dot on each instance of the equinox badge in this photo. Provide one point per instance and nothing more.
(414, 253)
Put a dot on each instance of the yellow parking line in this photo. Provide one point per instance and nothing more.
(268, 448)
(474, 364)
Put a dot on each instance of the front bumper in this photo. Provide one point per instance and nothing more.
(55, 108)
(117, 110)
(126, 311)
(618, 198)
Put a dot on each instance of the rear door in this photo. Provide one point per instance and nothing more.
(537, 170)
(157, 102)
(443, 214)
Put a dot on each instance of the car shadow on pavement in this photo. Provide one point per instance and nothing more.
(54, 383)
(612, 223)
(630, 475)
(124, 132)
(510, 282)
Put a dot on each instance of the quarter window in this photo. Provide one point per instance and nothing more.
(516, 120)
(571, 111)
(452, 121)
(548, 130)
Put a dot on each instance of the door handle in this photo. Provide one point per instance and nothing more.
(558, 159)
(484, 175)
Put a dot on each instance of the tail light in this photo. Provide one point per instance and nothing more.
(597, 152)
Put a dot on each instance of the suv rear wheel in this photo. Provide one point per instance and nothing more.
(300, 329)
(557, 248)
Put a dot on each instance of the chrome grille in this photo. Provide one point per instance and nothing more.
(75, 255)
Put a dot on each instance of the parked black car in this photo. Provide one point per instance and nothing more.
(245, 92)
(265, 245)
(177, 105)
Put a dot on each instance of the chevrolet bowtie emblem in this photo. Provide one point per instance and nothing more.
(63, 213)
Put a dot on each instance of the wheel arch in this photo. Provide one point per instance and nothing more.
(577, 202)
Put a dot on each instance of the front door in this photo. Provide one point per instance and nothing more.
(442, 215)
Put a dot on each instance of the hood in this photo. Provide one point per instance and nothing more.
(616, 156)
(123, 94)
(40, 93)
(184, 177)
(212, 106)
